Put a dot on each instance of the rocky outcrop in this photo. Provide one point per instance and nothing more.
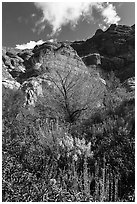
(13, 63)
(44, 69)
(116, 47)
(8, 81)
(10, 84)
(30, 70)
(92, 59)
(53, 63)
(32, 88)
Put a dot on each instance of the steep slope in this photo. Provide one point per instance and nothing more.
(47, 66)
(55, 72)
(115, 47)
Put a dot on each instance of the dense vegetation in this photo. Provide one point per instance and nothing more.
(72, 158)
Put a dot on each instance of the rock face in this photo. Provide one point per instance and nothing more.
(32, 88)
(7, 80)
(13, 62)
(92, 59)
(44, 68)
(116, 47)
(32, 70)
(49, 65)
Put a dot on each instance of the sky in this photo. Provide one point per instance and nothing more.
(25, 24)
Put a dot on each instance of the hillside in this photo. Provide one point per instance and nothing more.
(68, 119)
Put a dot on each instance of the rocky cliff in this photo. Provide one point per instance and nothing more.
(115, 50)
(30, 70)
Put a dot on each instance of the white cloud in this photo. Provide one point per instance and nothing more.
(29, 45)
(109, 14)
(58, 14)
(52, 40)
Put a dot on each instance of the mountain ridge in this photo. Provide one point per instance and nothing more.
(110, 50)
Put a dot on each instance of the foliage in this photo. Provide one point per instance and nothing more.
(46, 160)
(111, 133)
(70, 94)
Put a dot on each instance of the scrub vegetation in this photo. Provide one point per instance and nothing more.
(66, 149)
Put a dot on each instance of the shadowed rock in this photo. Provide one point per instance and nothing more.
(116, 47)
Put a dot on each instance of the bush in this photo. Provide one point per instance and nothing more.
(47, 160)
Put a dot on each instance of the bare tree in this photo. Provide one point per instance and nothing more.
(70, 93)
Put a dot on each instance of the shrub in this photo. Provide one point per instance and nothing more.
(47, 160)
